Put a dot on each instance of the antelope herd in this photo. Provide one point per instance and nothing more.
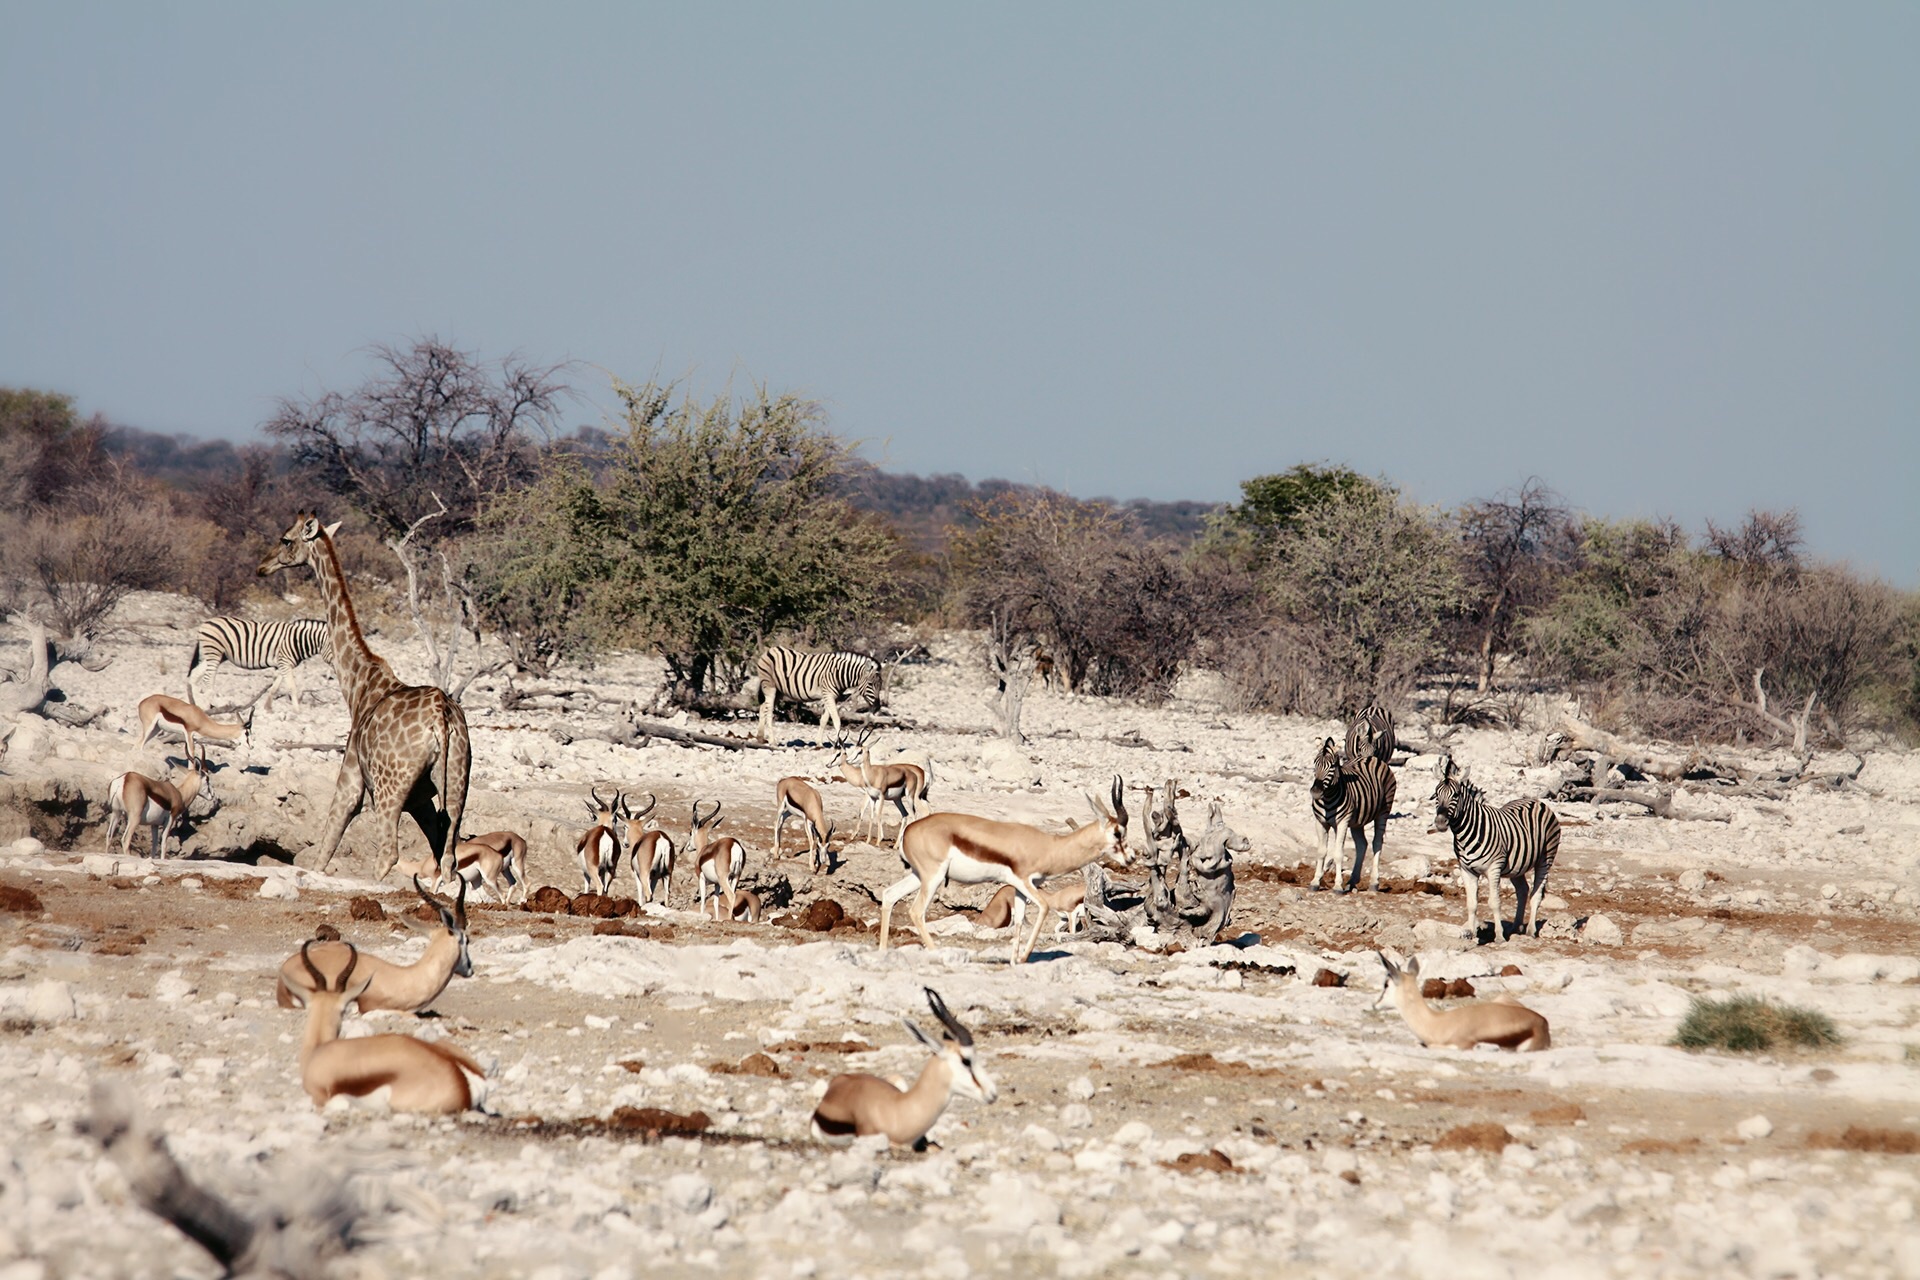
(407, 749)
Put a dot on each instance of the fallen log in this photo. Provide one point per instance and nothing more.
(636, 732)
(1658, 802)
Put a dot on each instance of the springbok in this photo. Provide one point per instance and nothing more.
(482, 861)
(407, 988)
(903, 782)
(598, 847)
(741, 904)
(151, 802)
(160, 711)
(971, 850)
(796, 798)
(1069, 900)
(717, 862)
(418, 1076)
(650, 853)
(1509, 1024)
(856, 1104)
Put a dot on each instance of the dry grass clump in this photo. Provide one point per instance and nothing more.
(1752, 1024)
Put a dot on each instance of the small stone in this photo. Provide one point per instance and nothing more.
(1094, 1018)
(1601, 931)
(1080, 1089)
(173, 987)
(1041, 1138)
(1754, 1128)
(1132, 1133)
(687, 1192)
(1693, 880)
(28, 847)
(281, 887)
(51, 1002)
(1075, 1115)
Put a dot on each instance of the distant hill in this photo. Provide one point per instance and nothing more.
(922, 508)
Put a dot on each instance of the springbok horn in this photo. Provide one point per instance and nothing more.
(651, 803)
(353, 958)
(319, 982)
(961, 1036)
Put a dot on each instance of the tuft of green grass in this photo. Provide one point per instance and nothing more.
(1752, 1024)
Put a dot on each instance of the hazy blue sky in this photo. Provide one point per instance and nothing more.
(1664, 255)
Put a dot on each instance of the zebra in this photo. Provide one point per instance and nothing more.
(253, 646)
(1355, 790)
(1371, 734)
(823, 677)
(1519, 837)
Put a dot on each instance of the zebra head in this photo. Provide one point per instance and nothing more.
(1326, 765)
(1453, 793)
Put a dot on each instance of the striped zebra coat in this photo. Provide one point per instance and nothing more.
(253, 646)
(1354, 791)
(826, 678)
(1518, 840)
(1371, 734)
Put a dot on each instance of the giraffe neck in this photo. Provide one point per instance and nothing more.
(364, 676)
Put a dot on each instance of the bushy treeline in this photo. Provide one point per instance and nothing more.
(705, 529)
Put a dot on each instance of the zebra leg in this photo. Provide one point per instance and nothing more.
(1379, 841)
(1359, 834)
(1495, 874)
(766, 709)
(1521, 901)
(830, 710)
(1470, 885)
(1533, 901)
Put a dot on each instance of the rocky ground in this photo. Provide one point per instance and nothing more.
(1212, 1110)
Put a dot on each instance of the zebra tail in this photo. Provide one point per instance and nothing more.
(193, 665)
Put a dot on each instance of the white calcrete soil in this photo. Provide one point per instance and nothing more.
(1208, 1111)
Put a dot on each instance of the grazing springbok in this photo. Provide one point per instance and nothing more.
(856, 1104)
(139, 800)
(159, 712)
(598, 847)
(650, 853)
(972, 850)
(717, 862)
(796, 798)
(417, 1076)
(1510, 1025)
(407, 988)
(741, 904)
(483, 862)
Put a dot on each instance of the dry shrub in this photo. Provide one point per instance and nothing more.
(1752, 1024)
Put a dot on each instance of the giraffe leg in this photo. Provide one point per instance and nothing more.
(456, 771)
(349, 793)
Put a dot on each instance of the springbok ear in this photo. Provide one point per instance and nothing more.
(334, 528)
(1413, 967)
(920, 1035)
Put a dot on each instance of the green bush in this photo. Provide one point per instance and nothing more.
(1752, 1024)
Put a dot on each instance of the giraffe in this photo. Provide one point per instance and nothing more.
(407, 744)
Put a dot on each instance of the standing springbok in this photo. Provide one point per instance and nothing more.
(650, 853)
(974, 850)
(856, 1104)
(159, 711)
(418, 1076)
(1510, 1025)
(150, 802)
(717, 862)
(407, 988)
(796, 798)
(598, 847)
(901, 781)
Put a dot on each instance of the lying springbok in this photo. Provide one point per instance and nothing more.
(598, 847)
(407, 988)
(417, 1075)
(159, 711)
(1509, 1024)
(1006, 907)
(856, 1104)
(717, 862)
(796, 798)
(151, 802)
(741, 904)
(959, 846)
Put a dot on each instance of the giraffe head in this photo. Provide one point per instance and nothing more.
(297, 544)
